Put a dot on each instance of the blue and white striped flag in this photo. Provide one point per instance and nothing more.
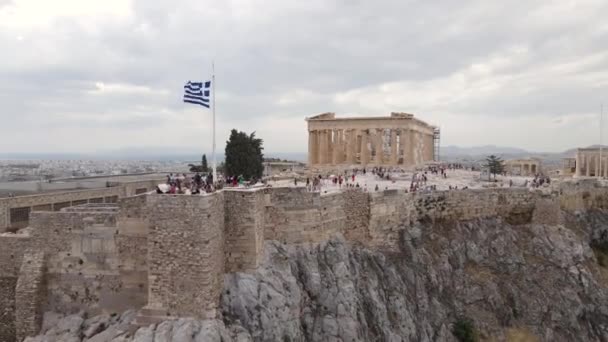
(197, 93)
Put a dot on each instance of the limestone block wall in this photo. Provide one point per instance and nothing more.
(357, 211)
(186, 254)
(244, 229)
(56, 200)
(392, 210)
(29, 293)
(295, 215)
(92, 263)
(583, 195)
(4, 219)
(12, 250)
(7, 308)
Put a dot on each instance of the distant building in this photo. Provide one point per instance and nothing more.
(523, 167)
(395, 140)
(275, 167)
(587, 162)
(568, 167)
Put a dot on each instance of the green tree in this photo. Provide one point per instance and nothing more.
(194, 168)
(204, 163)
(495, 165)
(244, 155)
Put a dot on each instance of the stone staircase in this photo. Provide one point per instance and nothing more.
(151, 315)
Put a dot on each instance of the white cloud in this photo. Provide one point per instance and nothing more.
(77, 75)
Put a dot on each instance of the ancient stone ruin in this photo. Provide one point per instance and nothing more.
(167, 255)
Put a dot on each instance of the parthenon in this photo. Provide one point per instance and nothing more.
(395, 140)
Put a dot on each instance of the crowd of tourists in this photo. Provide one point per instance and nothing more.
(184, 184)
(538, 181)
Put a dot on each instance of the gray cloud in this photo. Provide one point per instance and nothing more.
(466, 66)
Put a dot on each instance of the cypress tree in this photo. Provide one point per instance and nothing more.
(244, 155)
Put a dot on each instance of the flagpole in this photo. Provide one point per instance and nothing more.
(213, 93)
(601, 119)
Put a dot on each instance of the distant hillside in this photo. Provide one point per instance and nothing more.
(480, 150)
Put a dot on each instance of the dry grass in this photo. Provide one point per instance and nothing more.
(521, 335)
(479, 274)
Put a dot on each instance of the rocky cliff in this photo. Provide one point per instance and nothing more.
(485, 279)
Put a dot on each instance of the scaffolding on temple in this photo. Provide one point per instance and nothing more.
(436, 136)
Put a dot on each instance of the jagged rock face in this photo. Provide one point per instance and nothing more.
(514, 282)
(511, 281)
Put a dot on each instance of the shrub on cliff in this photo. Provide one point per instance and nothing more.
(600, 249)
(244, 155)
(464, 331)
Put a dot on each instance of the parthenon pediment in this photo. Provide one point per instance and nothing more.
(327, 115)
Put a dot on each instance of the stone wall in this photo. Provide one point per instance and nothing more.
(56, 200)
(244, 229)
(392, 210)
(29, 293)
(186, 254)
(171, 251)
(295, 215)
(7, 308)
(12, 250)
(93, 263)
(357, 210)
(583, 195)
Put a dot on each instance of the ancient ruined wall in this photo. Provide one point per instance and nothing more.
(295, 215)
(392, 210)
(7, 308)
(12, 250)
(57, 200)
(29, 293)
(357, 211)
(91, 264)
(244, 229)
(132, 244)
(4, 221)
(583, 194)
(186, 253)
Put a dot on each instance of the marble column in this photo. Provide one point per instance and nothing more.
(411, 160)
(311, 148)
(394, 150)
(577, 169)
(322, 146)
(336, 147)
(343, 144)
(403, 144)
(349, 146)
(587, 166)
(379, 147)
(364, 149)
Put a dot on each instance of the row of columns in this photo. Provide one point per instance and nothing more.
(355, 146)
(525, 169)
(588, 162)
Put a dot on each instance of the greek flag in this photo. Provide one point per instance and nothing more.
(197, 93)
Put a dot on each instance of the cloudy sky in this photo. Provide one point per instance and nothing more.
(87, 75)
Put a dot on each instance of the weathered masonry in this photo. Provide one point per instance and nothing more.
(167, 254)
(396, 140)
(15, 211)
